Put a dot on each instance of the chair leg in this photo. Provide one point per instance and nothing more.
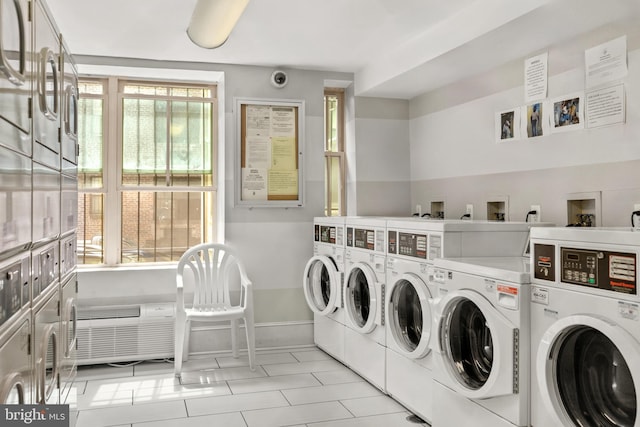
(234, 338)
(187, 336)
(179, 333)
(251, 340)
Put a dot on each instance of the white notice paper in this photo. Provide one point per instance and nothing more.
(535, 77)
(605, 106)
(606, 62)
(254, 184)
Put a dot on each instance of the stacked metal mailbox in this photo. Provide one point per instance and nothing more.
(38, 208)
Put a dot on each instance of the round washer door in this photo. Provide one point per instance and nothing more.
(361, 298)
(69, 323)
(12, 390)
(409, 316)
(476, 344)
(588, 372)
(47, 365)
(322, 285)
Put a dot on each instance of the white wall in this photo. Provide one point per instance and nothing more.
(380, 156)
(455, 157)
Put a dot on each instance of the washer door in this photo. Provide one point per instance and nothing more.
(69, 326)
(14, 63)
(409, 316)
(588, 369)
(477, 346)
(12, 390)
(362, 298)
(47, 366)
(322, 285)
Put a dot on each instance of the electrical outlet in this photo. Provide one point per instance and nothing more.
(635, 219)
(419, 210)
(470, 211)
(536, 217)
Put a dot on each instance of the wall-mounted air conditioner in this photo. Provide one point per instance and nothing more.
(123, 333)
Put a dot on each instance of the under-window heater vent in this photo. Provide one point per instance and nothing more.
(109, 312)
(125, 333)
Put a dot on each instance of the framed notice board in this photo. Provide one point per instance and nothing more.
(269, 136)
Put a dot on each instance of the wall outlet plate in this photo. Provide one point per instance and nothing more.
(470, 211)
(536, 217)
(635, 219)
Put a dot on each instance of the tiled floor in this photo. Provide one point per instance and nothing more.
(303, 387)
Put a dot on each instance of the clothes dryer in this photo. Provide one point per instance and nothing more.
(322, 284)
(46, 100)
(585, 330)
(365, 335)
(16, 373)
(16, 77)
(481, 350)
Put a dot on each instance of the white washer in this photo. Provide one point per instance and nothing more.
(413, 245)
(409, 317)
(585, 330)
(481, 350)
(365, 335)
(322, 284)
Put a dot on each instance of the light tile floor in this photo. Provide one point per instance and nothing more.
(297, 388)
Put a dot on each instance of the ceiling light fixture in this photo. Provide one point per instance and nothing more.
(213, 20)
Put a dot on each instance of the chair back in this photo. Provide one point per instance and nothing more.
(211, 265)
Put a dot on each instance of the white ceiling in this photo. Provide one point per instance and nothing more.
(395, 48)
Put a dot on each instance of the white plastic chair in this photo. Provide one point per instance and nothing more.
(211, 265)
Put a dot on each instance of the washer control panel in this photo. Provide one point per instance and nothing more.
(615, 271)
(599, 269)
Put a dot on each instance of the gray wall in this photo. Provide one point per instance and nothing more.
(455, 157)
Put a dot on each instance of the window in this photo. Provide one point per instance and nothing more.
(334, 152)
(91, 132)
(160, 199)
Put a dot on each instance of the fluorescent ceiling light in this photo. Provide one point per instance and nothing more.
(213, 20)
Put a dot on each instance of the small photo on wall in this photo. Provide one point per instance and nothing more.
(533, 119)
(507, 125)
(568, 113)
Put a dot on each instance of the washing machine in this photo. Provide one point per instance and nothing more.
(16, 375)
(481, 345)
(365, 335)
(409, 317)
(413, 245)
(585, 330)
(46, 347)
(322, 284)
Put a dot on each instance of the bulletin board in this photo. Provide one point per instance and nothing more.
(269, 136)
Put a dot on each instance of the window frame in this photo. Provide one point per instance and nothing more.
(329, 155)
(113, 189)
